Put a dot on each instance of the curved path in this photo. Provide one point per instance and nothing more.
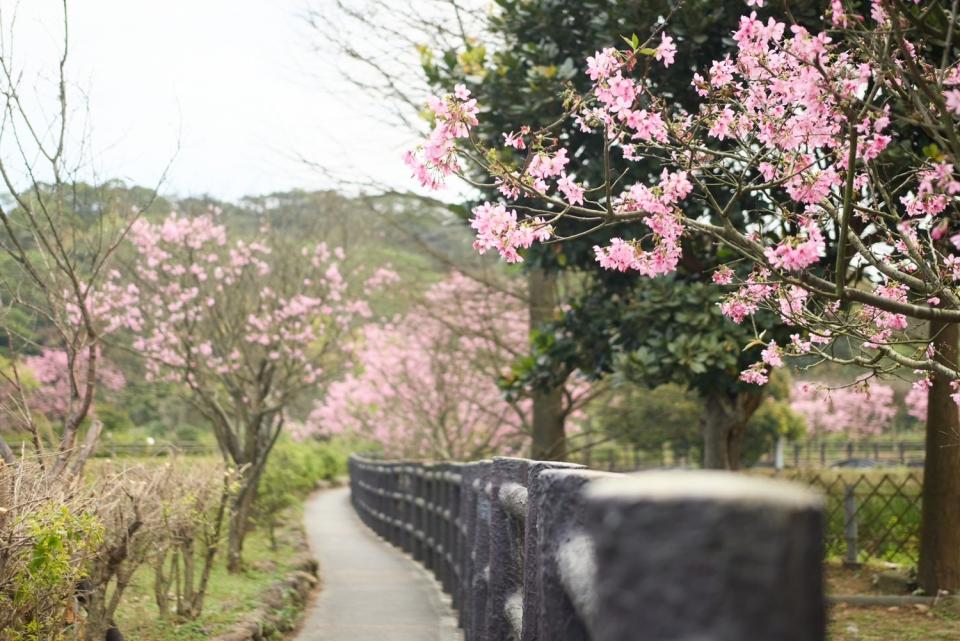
(370, 591)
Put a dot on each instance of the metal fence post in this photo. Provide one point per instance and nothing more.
(851, 557)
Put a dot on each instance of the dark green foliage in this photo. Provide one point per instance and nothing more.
(647, 420)
(772, 420)
(114, 418)
(664, 332)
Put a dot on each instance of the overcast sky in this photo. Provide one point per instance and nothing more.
(232, 83)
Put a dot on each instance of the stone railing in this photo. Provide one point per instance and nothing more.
(542, 551)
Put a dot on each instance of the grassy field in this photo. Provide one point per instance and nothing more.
(230, 596)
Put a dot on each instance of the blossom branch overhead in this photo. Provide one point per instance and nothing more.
(801, 157)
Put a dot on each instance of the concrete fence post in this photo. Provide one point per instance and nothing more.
(565, 604)
(706, 555)
(504, 611)
(475, 513)
(532, 563)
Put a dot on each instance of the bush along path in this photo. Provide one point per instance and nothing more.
(371, 591)
(263, 601)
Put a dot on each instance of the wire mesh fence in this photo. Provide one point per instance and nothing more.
(870, 516)
(808, 454)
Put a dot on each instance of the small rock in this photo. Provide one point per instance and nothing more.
(893, 582)
(265, 565)
(309, 578)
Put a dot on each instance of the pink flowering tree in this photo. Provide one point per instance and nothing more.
(823, 159)
(427, 382)
(246, 326)
(858, 410)
(50, 371)
(916, 402)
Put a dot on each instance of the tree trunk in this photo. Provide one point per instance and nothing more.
(239, 522)
(717, 423)
(161, 584)
(549, 439)
(939, 566)
(724, 426)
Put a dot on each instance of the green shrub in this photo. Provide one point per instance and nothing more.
(113, 417)
(43, 548)
(291, 473)
(773, 419)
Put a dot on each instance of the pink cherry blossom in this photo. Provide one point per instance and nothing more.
(858, 409)
(666, 51)
(570, 190)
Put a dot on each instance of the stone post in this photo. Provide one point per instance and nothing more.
(706, 555)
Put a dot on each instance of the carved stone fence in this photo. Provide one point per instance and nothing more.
(542, 551)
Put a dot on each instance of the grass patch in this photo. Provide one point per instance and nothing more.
(229, 598)
(880, 623)
(904, 623)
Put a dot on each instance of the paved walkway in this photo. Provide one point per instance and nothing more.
(370, 591)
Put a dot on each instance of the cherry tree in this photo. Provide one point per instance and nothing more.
(40, 386)
(246, 326)
(916, 402)
(823, 159)
(49, 369)
(427, 382)
(858, 409)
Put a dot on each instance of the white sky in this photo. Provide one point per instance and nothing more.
(233, 82)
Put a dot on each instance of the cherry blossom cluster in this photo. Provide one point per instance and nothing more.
(858, 409)
(436, 159)
(426, 382)
(499, 228)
